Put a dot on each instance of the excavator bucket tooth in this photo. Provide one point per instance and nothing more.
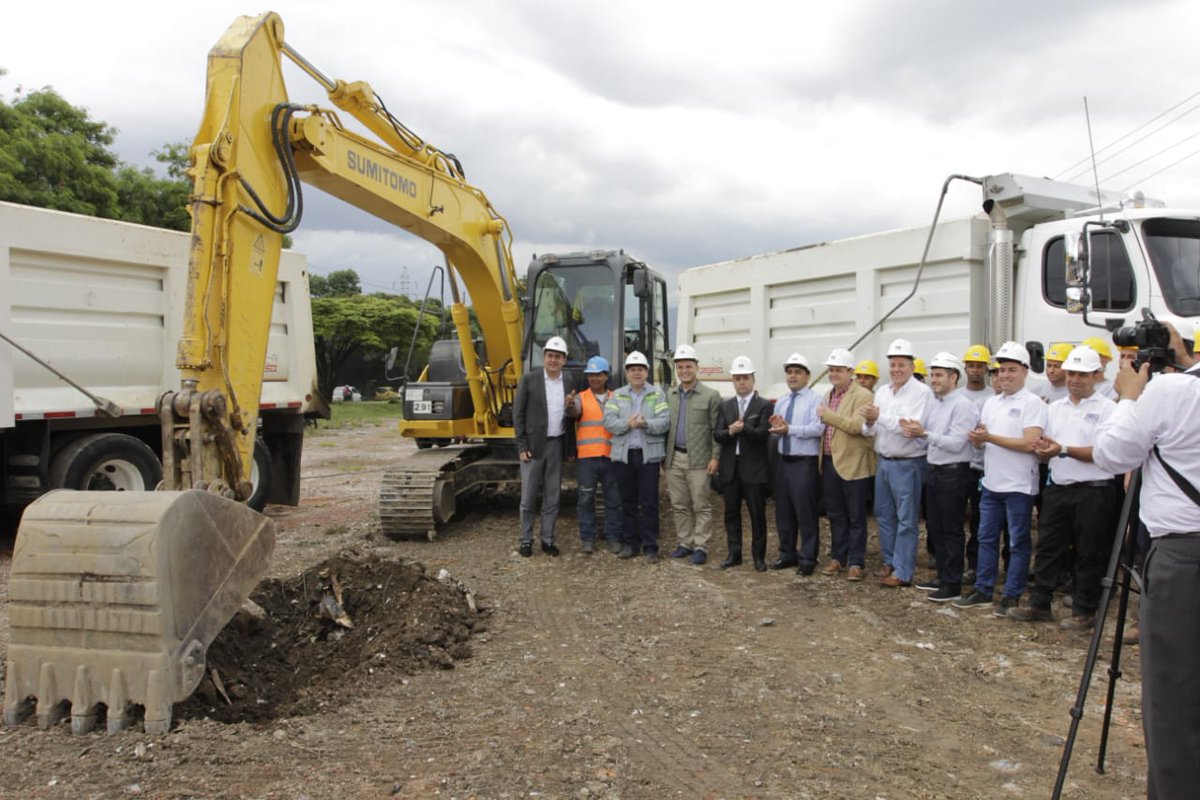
(114, 598)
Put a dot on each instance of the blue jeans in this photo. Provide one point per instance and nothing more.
(590, 473)
(994, 509)
(898, 513)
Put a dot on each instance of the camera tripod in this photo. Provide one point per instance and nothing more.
(1122, 556)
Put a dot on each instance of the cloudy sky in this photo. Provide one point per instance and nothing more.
(684, 132)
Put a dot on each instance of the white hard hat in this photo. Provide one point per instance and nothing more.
(685, 352)
(901, 347)
(742, 365)
(1082, 359)
(556, 344)
(840, 357)
(636, 359)
(946, 360)
(1011, 351)
(797, 360)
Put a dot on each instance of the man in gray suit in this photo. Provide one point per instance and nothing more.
(544, 399)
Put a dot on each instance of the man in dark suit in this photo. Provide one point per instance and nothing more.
(743, 429)
(545, 397)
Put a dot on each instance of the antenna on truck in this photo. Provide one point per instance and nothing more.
(1092, 150)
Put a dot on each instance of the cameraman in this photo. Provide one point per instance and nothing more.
(1155, 426)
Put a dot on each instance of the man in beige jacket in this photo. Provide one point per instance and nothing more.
(847, 466)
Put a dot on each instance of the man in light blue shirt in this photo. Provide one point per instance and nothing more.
(798, 479)
(901, 469)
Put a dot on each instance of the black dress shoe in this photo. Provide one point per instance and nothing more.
(732, 561)
(806, 570)
(549, 548)
(782, 563)
(526, 549)
(760, 565)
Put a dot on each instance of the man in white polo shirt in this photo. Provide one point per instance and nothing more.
(901, 468)
(1010, 424)
(1079, 502)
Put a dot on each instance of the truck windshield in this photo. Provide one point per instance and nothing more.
(1174, 248)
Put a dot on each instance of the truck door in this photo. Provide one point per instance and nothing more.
(1113, 283)
(645, 327)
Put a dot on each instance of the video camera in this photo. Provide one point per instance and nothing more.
(1152, 339)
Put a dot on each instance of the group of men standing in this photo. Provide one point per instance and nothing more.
(974, 454)
(919, 443)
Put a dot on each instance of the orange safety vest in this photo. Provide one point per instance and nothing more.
(592, 440)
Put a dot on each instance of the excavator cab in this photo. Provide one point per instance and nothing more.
(601, 303)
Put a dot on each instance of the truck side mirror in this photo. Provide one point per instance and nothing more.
(391, 358)
(1075, 263)
(641, 282)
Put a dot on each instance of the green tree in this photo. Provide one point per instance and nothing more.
(150, 200)
(53, 155)
(339, 283)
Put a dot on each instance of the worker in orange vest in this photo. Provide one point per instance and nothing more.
(593, 444)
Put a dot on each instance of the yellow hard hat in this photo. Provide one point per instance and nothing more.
(919, 367)
(1100, 346)
(977, 352)
(1059, 351)
(993, 365)
(867, 367)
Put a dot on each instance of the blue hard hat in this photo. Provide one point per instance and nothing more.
(596, 365)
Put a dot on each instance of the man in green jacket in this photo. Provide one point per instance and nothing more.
(690, 457)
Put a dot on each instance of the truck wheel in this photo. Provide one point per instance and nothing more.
(114, 462)
(260, 476)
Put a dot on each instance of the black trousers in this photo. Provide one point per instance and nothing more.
(973, 497)
(947, 488)
(1075, 516)
(1170, 644)
(846, 506)
(797, 499)
(754, 495)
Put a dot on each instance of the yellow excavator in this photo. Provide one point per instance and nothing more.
(114, 598)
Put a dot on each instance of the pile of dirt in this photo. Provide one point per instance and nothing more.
(315, 640)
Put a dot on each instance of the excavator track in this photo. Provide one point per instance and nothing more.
(423, 492)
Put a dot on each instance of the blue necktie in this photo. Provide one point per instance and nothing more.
(787, 437)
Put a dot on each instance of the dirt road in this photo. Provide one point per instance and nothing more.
(590, 677)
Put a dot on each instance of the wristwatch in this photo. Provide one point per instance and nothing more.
(1063, 453)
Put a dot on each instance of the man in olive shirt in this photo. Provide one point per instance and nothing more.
(691, 457)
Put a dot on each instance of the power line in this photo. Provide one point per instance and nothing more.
(1161, 171)
(1122, 138)
(1150, 157)
(1137, 142)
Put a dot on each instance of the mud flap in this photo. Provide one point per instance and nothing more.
(114, 598)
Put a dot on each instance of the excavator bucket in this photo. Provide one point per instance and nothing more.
(114, 598)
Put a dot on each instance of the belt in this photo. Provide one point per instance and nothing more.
(957, 466)
(899, 458)
(1092, 484)
(552, 438)
(680, 449)
(796, 459)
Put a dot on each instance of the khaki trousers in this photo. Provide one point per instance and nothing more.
(691, 505)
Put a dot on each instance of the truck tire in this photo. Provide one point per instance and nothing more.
(114, 462)
(260, 476)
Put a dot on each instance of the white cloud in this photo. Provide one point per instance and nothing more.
(684, 133)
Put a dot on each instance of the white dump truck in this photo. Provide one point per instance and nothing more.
(100, 303)
(1045, 262)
